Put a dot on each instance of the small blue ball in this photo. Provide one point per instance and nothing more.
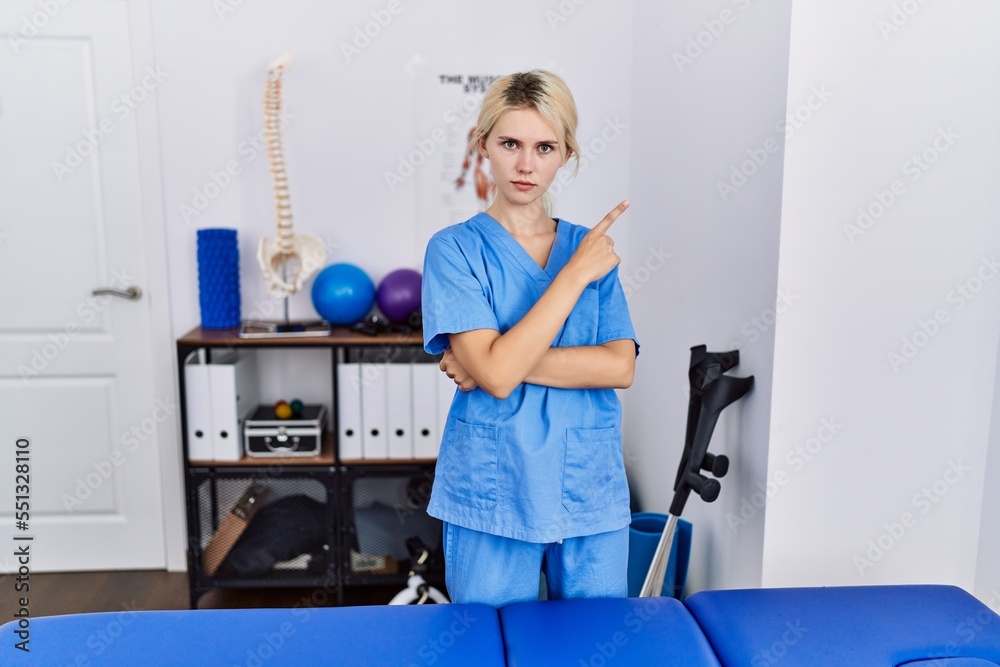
(343, 294)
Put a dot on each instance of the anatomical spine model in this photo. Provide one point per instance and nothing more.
(290, 259)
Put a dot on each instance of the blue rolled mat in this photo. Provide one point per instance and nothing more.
(644, 535)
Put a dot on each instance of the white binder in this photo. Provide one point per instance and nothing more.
(426, 430)
(399, 407)
(233, 383)
(349, 425)
(374, 378)
(198, 407)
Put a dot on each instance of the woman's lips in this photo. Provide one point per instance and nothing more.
(523, 185)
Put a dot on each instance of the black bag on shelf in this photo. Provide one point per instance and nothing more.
(282, 530)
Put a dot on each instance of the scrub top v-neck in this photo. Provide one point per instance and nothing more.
(544, 463)
(556, 259)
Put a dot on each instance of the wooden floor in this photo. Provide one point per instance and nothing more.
(52, 594)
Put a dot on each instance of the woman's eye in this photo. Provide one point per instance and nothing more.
(510, 143)
(545, 148)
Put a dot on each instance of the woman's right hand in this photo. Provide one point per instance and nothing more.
(595, 256)
(456, 371)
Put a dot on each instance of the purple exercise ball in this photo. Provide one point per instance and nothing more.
(398, 295)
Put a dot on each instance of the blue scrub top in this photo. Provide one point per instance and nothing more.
(543, 464)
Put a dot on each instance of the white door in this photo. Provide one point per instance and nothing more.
(75, 369)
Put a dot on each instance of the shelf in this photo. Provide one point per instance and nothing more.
(273, 579)
(395, 579)
(387, 462)
(340, 337)
(325, 458)
(212, 487)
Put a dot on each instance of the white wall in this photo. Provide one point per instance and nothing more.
(698, 113)
(987, 587)
(893, 492)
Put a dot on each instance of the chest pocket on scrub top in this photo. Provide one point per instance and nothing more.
(470, 468)
(581, 325)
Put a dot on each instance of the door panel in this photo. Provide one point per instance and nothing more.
(75, 369)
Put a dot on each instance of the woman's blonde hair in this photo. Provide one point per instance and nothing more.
(540, 90)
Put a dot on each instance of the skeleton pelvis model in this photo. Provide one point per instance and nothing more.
(290, 259)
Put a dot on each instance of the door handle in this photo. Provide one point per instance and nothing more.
(132, 293)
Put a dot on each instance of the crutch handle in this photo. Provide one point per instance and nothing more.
(717, 465)
(707, 488)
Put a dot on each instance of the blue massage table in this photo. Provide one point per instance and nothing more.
(876, 626)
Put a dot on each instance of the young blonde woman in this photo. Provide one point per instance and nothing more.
(536, 333)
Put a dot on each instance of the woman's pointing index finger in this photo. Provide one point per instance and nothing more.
(605, 224)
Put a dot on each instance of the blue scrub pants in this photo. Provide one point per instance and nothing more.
(495, 570)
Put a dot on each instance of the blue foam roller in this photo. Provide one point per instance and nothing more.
(218, 278)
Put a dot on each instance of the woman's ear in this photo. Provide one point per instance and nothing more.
(481, 145)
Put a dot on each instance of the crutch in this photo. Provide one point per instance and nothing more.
(711, 392)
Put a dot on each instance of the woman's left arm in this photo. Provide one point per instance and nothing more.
(607, 365)
(611, 365)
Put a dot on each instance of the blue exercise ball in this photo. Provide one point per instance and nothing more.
(343, 294)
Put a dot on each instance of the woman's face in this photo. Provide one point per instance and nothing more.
(525, 152)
